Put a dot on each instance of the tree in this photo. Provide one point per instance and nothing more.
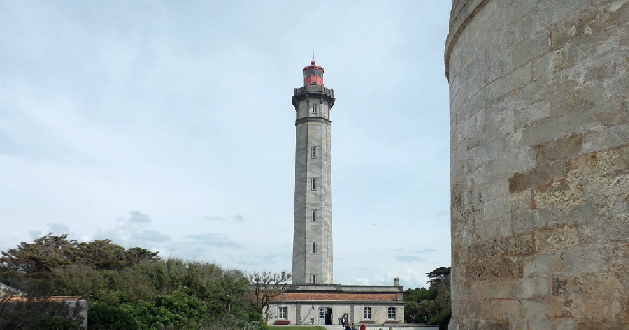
(31, 264)
(437, 275)
(434, 302)
(232, 287)
(266, 286)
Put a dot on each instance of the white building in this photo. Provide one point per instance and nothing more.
(331, 304)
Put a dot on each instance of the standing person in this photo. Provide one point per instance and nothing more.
(413, 318)
(363, 327)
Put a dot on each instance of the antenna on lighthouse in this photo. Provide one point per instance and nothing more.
(313, 55)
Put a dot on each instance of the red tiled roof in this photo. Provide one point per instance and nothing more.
(337, 296)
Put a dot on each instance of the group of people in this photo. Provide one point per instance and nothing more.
(351, 326)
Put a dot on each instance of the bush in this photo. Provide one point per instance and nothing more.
(442, 319)
(103, 317)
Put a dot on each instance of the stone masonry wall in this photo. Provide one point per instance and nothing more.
(539, 111)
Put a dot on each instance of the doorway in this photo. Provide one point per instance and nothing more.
(325, 316)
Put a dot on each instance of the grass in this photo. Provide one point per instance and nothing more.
(301, 327)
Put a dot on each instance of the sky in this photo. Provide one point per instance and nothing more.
(168, 125)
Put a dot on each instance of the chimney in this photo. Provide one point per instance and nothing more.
(396, 281)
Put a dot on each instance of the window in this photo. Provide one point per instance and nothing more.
(391, 313)
(314, 215)
(313, 278)
(314, 108)
(314, 183)
(367, 313)
(282, 313)
(313, 152)
(314, 247)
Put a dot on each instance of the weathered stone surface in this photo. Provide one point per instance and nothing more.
(539, 104)
(532, 178)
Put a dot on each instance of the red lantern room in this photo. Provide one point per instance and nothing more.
(313, 74)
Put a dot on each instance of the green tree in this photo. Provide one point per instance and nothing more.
(432, 303)
(232, 288)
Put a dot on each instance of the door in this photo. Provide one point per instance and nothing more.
(328, 316)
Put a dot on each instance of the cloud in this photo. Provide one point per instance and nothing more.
(425, 251)
(216, 218)
(34, 233)
(132, 232)
(265, 259)
(138, 217)
(214, 240)
(148, 235)
(236, 218)
(58, 228)
(409, 258)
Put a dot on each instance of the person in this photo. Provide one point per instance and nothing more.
(413, 318)
(352, 326)
(363, 327)
(425, 319)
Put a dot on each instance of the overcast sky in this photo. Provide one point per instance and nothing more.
(168, 125)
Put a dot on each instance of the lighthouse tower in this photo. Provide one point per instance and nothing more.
(312, 236)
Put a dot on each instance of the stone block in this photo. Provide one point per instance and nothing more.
(610, 137)
(568, 324)
(529, 49)
(515, 10)
(551, 12)
(560, 196)
(556, 238)
(536, 288)
(559, 149)
(514, 80)
(531, 114)
(532, 178)
(520, 245)
(559, 170)
(497, 208)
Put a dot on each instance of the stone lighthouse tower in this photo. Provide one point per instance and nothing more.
(312, 237)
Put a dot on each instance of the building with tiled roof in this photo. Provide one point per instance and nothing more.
(330, 304)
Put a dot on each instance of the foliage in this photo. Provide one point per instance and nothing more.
(432, 303)
(104, 317)
(36, 314)
(31, 265)
(132, 288)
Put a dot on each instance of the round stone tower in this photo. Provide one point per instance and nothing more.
(312, 231)
(539, 114)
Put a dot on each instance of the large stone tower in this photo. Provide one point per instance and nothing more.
(539, 113)
(312, 236)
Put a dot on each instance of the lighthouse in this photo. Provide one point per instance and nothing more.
(311, 299)
(312, 229)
